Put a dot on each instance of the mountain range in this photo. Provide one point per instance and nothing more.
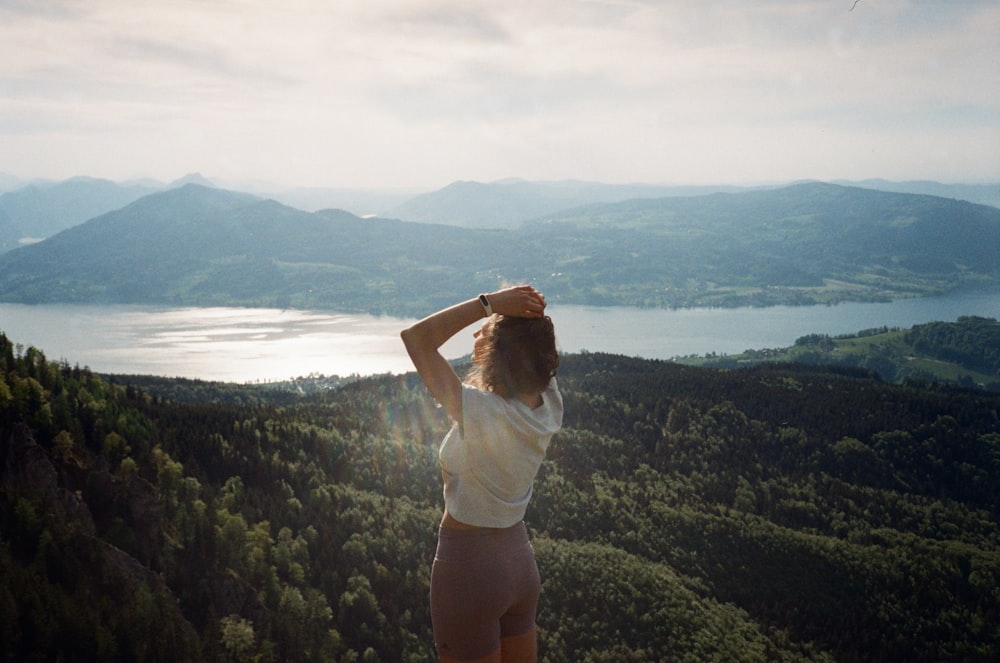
(509, 203)
(38, 211)
(35, 211)
(806, 243)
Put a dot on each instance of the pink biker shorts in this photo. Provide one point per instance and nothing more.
(484, 587)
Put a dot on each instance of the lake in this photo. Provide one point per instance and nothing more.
(250, 345)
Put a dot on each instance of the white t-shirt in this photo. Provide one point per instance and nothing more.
(491, 460)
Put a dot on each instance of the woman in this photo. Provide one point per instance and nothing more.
(484, 582)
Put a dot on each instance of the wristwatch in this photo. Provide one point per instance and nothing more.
(486, 305)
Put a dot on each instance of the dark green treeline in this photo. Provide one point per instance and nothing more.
(689, 514)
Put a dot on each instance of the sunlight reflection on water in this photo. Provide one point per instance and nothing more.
(248, 345)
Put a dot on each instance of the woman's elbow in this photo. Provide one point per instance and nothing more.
(407, 337)
(411, 341)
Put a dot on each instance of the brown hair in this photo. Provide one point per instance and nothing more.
(520, 356)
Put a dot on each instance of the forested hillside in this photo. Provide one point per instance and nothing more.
(775, 513)
(965, 352)
(804, 244)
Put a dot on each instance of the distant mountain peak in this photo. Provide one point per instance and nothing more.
(192, 178)
(199, 193)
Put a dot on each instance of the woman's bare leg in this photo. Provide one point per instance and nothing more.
(514, 649)
(519, 648)
(489, 658)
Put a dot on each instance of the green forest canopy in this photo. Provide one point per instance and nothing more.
(966, 352)
(771, 513)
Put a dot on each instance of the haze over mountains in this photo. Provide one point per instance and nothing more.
(36, 211)
(804, 243)
(508, 203)
(33, 211)
(39, 211)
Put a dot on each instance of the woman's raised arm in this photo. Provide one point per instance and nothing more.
(424, 339)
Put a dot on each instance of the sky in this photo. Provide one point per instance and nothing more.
(415, 94)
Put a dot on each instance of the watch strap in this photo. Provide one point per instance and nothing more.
(486, 305)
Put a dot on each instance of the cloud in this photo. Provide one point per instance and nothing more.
(448, 22)
(198, 60)
(389, 92)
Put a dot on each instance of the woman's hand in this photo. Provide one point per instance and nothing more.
(521, 301)
(424, 339)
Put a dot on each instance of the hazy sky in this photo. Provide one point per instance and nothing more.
(419, 93)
